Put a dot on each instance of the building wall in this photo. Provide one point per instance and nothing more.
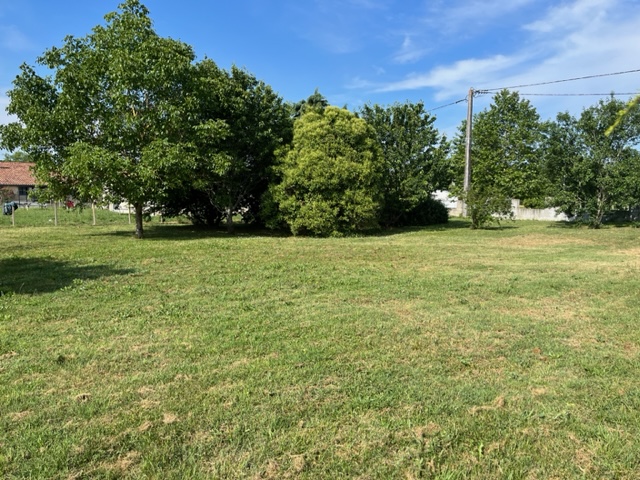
(12, 189)
(547, 214)
(455, 207)
(17, 196)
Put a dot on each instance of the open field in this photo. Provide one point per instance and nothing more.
(435, 353)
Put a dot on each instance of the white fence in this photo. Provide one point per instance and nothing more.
(454, 205)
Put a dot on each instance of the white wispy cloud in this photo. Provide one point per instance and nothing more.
(569, 16)
(409, 52)
(448, 23)
(13, 39)
(453, 79)
(578, 38)
(449, 17)
(597, 39)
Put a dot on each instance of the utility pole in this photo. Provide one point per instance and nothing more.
(467, 152)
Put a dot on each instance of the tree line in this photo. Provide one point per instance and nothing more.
(586, 167)
(128, 115)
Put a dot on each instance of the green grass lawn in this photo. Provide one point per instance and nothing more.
(434, 353)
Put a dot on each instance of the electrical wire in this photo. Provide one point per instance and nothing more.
(612, 94)
(489, 90)
(447, 105)
(486, 90)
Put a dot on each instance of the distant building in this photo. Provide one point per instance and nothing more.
(18, 178)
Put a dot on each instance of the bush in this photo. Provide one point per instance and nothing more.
(329, 178)
(428, 212)
(486, 206)
(195, 205)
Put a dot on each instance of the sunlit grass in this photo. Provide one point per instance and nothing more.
(433, 353)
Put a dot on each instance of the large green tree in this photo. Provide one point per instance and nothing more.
(592, 172)
(505, 156)
(415, 159)
(329, 179)
(257, 123)
(111, 117)
(239, 123)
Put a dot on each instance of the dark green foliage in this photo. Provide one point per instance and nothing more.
(128, 115)
(428, 212)
(505, 158)
(415, 160)
(239, 124)
(594, 173)
(236, 164)
(329, 179)
(315, 101)
(194, 204)
(506, 148)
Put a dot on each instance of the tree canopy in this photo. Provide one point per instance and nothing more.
(592, 172)
(415, 156)
(111, 118)
(329, 177)
(125, 114)
(239, 122)
(505, 157)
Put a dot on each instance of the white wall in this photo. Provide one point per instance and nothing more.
(454, 205)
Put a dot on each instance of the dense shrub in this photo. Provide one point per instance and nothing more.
(330, 178)
(428, 212)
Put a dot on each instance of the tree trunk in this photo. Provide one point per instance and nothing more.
(601, 205)
(139, 230)
(229, 220)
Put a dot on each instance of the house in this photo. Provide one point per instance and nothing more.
(18, 178)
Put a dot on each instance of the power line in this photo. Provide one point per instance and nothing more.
(447, 105)
(559, 81)
(610, 94)
(489, 90)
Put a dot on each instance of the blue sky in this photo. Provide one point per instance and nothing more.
(377, 51)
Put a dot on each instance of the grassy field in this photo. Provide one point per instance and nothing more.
(435, 353)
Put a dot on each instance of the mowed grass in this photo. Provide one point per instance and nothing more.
(433, 353)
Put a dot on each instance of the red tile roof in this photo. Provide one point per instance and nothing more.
(16, 174)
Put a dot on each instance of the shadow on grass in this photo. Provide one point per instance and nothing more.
(452, 224)
(192, 232)
(498, 227)
(568, 224)
(23, 275)
(576, 225)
